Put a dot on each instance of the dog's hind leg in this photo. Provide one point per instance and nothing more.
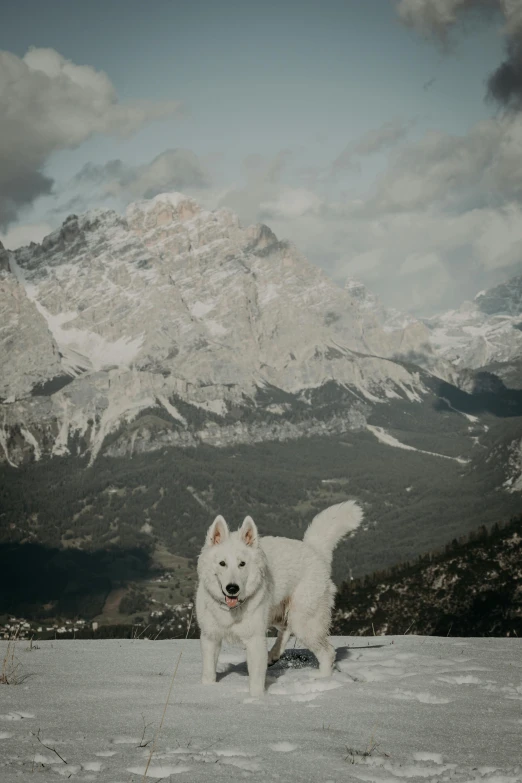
(312, 630)
(325, 654)
(210, 647)
(317, 642)
(279, 645)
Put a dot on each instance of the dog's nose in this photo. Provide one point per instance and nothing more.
(232, 589)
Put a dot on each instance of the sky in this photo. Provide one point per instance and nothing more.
(383, 138)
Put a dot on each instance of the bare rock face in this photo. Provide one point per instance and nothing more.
(28, 353)
(4, 259)
(172, 304)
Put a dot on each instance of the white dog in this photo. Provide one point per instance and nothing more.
(247, 584)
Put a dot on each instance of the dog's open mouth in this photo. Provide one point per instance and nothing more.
(231, 600)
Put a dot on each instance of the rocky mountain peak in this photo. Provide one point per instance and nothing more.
(260, 237)
(163, 209)
(4, 259)
(173, 300)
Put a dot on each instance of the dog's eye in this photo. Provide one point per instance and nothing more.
(222, 563)
(242, 563)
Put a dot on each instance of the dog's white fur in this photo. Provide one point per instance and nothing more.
(283, 583)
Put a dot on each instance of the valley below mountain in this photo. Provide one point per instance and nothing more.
(167, 365)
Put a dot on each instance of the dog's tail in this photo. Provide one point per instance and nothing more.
(328, 527)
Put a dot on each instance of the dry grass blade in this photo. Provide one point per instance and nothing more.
(166, 702)
(10, 665)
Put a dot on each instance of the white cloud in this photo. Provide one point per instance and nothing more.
(290, 203)
(441, 222)
(47, 104)
(172, 170)
(263, 185)
(365, 265)
(374, 141)
(19, 236)
(419, 262)
(482, 167)
(498, 238)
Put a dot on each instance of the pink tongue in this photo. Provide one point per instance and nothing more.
(231, 601)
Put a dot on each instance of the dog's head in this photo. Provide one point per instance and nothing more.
(231, 565)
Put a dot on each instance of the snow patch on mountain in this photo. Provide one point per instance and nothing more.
(29, 437)
(98, 351)
(468, 416)
(172, 410)
(385, 437)
(5, 449)
(200, 309)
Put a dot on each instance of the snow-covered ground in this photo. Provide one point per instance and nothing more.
(406, 707)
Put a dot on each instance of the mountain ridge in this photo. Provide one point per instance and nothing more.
(173, 301)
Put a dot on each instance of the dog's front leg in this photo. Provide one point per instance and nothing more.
(256, 662)
(210, 647)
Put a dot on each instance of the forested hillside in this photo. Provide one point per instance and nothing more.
(471, 588)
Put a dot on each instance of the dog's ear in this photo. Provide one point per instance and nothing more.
(248, 532)
(218, 531)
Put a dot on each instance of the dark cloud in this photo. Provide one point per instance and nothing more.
(48, 104)
(19, 186)
(505, 84)
(439, 17)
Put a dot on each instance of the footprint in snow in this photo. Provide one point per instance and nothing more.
(424, 698)
(67, 771)
(304, 691)
(17, 716)
(423, 756)
(5, 735)
(157, 771)
(92, 766)
(283, 747)
(241, 763)
(466, 679)
(39, 758)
